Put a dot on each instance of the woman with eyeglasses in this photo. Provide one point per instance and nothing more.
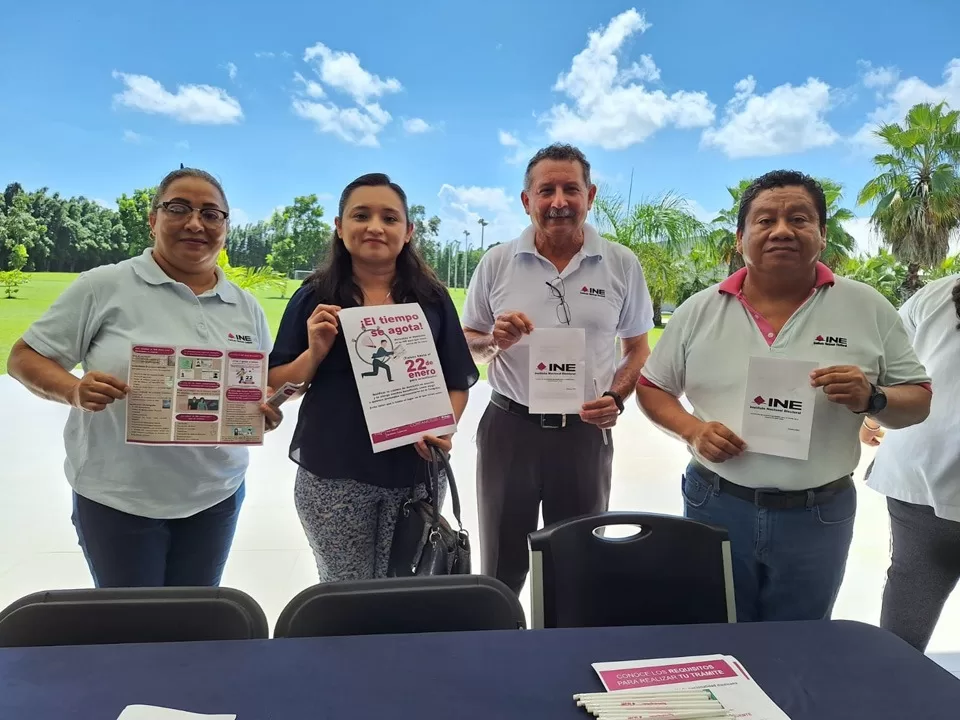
(347, 496)
(147, 516)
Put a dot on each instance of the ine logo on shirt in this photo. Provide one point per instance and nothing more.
(593, 292)
(830, 341)
(238, 338)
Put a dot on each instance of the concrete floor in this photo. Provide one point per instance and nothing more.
(271, 560)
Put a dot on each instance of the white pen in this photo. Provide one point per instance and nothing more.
(628, 704)
(668, 715)
(645, 694)
(596, 390)
(661, 715)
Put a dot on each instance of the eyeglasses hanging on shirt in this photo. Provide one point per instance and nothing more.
(557, 291)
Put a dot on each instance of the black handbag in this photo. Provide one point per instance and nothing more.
(423, 541)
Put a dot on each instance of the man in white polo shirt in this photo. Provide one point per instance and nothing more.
(790, 520)
(558, 274)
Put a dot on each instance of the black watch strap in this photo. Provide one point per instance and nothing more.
(616, 398)
(877, 401)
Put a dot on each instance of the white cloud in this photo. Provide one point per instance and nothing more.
(868, 240)
(231, 69)
(416, 126)
(359, 126)
(786, 120)
(264, 55)
(898, 99)
(238, 217)
(700, 212)
(311, 87)
(877, 77)
(488, 198)
(182, 145)
(612, 107)
(129, 136)
(462, 207)
(108, 204)
(520, 151)
(342, 70)
(194, 104)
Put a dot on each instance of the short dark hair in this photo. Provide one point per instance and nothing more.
(333, 281)
(185, 172)
(955, 295)
(779, 179)
(557, 151)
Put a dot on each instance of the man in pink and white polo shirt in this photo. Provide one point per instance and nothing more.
(790, 521)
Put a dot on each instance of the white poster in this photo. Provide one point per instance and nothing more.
(398, 374)
(778, 407)
(558, 360)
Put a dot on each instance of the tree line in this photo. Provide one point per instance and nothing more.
(43, 231)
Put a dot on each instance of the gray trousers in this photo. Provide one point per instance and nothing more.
(924, 569)
(521, 465)
(350, 524)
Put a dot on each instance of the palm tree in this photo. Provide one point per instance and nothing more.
(660, 231)
(917, 192)
(840, 243)
(722, 238)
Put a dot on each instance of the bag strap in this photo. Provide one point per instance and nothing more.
(441, 461)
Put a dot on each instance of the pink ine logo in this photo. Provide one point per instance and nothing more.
(819, 338)
(758, 400)
(585, 290)
(541, 367)
(230, 335)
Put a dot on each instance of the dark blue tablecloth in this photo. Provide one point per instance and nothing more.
(814, 671)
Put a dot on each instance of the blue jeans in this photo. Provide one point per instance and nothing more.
(124, 550)
(787, 564)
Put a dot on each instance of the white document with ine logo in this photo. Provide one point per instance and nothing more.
(778, 407)
(558, 368)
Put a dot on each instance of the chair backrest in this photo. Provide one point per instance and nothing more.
(449, 603)
(672, 572)
(131, 615)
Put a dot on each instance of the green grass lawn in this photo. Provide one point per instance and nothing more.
(16, 315)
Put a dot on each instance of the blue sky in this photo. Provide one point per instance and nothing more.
(280, 99)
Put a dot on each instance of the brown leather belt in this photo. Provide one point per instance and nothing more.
(779, 499)
(546, 421)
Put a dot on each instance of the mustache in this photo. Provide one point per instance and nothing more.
(555, 213)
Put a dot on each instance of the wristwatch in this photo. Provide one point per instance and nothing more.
(878, 401)
(616, 398)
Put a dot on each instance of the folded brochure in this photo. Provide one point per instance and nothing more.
(722, 675)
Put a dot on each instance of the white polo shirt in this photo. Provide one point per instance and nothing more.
(603, 286)
(706, 347)
(94, 322)
(921, 464)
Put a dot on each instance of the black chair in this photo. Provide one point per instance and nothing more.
(672, 571)
(131, 615)
(401, 605)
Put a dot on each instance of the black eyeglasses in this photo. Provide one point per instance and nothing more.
(211, 217)
(557, 291)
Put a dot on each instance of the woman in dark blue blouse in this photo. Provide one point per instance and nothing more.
(347, 496)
